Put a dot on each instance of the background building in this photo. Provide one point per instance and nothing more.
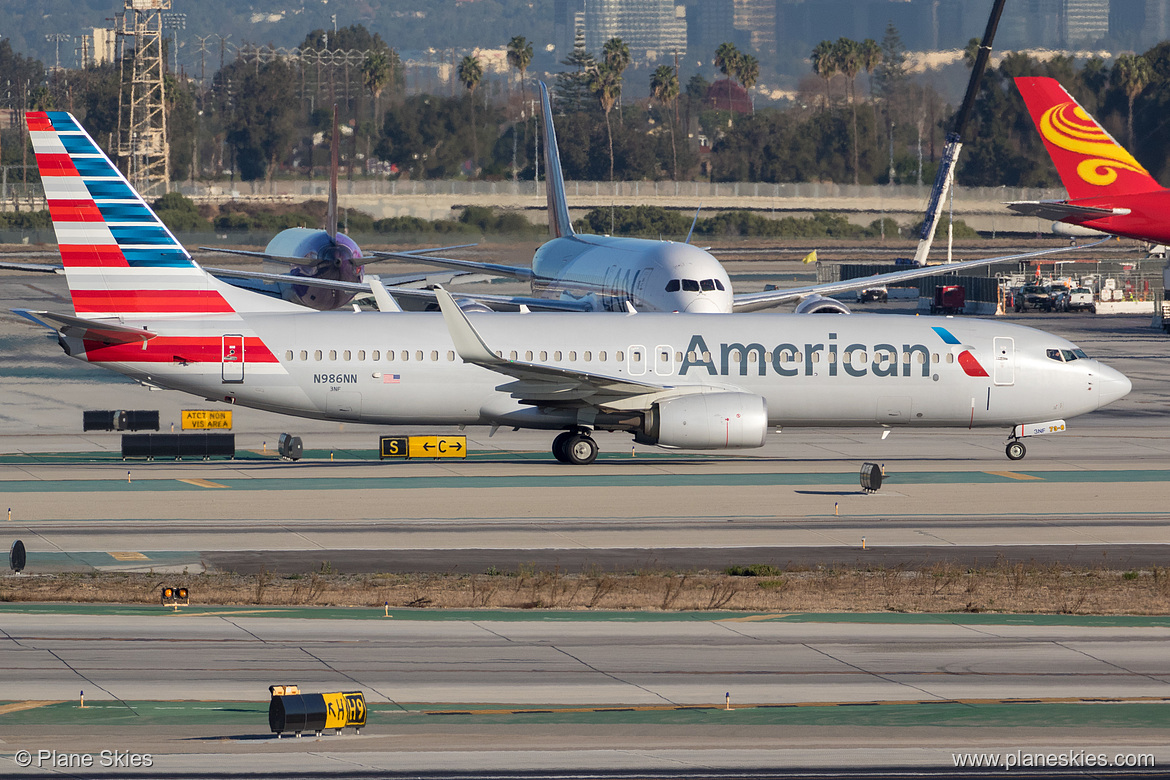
(655, 30)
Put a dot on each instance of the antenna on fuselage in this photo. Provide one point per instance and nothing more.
(559, 224)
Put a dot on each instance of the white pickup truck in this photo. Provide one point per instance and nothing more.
(1081, 299)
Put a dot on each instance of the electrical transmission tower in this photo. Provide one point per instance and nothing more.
(142, 119)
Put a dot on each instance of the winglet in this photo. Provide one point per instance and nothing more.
(384, 300)
(468, 344)
(559, 223)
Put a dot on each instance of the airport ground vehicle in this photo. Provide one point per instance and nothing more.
(873, 295)
(949, 299)
(1034, 296)
(1081, 299)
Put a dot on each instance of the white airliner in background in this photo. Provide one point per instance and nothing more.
(145, 309)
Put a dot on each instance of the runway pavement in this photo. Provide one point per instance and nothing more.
(614, 691)
(191, 687)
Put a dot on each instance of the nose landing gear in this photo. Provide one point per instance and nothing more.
(576, 447)
(1016, 449)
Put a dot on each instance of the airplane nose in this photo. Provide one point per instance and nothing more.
(702, 305)
(1113, 386)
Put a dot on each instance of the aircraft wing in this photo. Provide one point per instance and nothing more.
(515, 271)
(498, 302)
(1062, 209)
(373, 256)
(92, 330)
(37, 267)
(537, 383)
(762, 300)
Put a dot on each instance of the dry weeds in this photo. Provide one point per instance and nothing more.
(939, 588)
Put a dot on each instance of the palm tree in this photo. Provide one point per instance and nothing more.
(726, 58)
(847, 54)
(870, 53)
(519, 57)
(747, 71)
(616, 56)
(376, 75)
(470, 73)
(606, 85)
(664, 88)
(824, 64)
(971, 52)
(1132, 73)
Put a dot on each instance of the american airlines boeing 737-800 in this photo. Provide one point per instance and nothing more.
(145, 309)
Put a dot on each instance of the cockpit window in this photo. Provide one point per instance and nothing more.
(672, 285)
(707, 285)
(1066, 355)
(718, 284)
(690, 285)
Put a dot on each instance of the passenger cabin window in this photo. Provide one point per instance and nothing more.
(513, 356)
(418, 355)
(361, 354)
(690, 285)
(288, 355)
(672, 285)
(543, 355)
(557, 356)
(588, 356)
(450, 356)
(333, 354)
(601, 356)
(317, 355)
(619, 356)
(345, 355)
(528, 356)
(304, 354)
(376, 355)
(435, 355)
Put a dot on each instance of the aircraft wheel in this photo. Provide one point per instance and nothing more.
(1016, 450)
(558, 446)
(580, 450)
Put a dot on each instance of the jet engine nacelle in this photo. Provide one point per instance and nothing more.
(1076, 231)
(707, 421)
(820, 304)
(336, 259)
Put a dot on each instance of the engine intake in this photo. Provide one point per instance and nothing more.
(820, 304)
(707, 421)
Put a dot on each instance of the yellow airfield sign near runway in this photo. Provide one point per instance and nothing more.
(206, 419)
(423, 447)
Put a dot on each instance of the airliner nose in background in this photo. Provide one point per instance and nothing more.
(145, 309)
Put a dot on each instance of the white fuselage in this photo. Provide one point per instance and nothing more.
(399, 368)
(616, 270)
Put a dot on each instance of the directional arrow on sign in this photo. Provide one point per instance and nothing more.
(427, 446)
(456, 446)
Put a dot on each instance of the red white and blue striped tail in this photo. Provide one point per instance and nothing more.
(120, 259)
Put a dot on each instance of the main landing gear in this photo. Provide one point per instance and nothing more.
(575, 447)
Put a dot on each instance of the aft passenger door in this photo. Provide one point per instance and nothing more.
(232, 360)
(1004, 370)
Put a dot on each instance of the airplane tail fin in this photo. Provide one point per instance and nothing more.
(1090, 162)
(331, 210)
(559, 223)
(120, 259)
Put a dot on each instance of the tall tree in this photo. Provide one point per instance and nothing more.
(606, 84)
(748, 73)
(1131, 74)
(519, 57)
(847, 54)
(824, 64)
(376, 74)
(665, 89)
(470, 73)
(573, 92)
(616, 56)
(262, 128)
(727, 59)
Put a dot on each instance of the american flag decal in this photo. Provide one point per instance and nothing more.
(391, 379)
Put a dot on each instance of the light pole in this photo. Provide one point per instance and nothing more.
(56, 38)
(175, 21)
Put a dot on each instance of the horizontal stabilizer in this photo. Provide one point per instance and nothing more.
(514, 271)
(41, 268)
(1061, 209)
(90, 330)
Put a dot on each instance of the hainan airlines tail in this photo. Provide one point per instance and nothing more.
(1090, 162)
(120, 260)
